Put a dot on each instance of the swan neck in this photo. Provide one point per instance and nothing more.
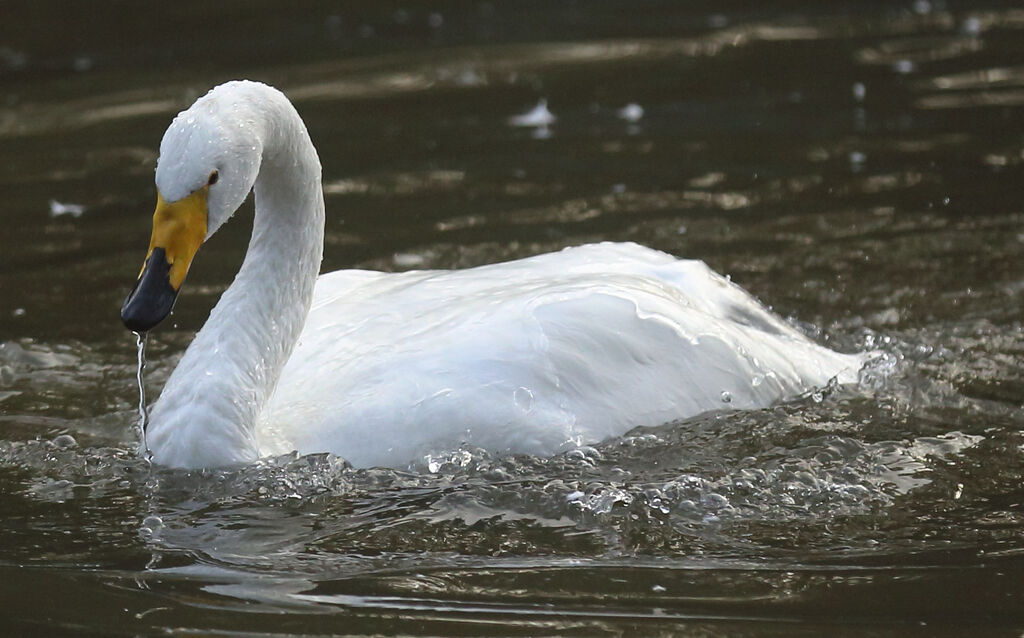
(208, 411)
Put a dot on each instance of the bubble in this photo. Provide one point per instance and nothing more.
(65, 441)
(153, 522)
(714, 501)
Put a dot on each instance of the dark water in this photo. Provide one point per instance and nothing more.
(859, 167)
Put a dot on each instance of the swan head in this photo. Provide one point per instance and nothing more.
(210, 157)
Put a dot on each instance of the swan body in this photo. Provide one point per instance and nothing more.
(530, 356)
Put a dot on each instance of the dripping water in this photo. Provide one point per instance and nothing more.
(140, 340)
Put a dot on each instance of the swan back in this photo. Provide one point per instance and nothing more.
(530, 356)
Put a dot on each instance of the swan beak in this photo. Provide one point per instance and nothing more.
(179, 228)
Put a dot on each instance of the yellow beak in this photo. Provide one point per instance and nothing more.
(179, 228)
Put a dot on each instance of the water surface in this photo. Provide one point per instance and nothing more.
(858, 168)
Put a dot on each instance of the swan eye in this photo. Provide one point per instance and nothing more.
(214, 176)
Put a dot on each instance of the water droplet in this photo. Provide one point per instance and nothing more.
(82, 63)
(726, 396)
(523, 399)
(904, 66)
(972, 26)
(539, 116)
(632, 112)
(718, 20)
(859, 91)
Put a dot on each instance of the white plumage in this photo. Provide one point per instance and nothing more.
(527, 356)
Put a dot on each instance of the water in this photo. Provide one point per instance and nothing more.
(856, 167)
(140, 379)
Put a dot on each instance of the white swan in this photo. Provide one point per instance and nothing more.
(527, 356)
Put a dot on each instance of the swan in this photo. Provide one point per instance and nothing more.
(530, 356)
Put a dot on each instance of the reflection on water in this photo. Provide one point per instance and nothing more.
(858, 168)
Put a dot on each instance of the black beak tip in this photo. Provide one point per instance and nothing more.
(152, 298)
(139, 315)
